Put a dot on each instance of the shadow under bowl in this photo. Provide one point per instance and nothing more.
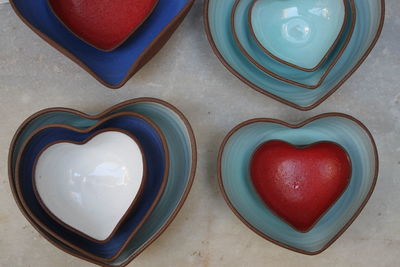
(235, 183)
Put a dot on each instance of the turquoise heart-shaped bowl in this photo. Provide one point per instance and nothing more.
(182, 154)
(369, 23)
(233, 175)
(248, 45)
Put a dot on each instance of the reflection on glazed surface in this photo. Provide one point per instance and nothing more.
(90, 187)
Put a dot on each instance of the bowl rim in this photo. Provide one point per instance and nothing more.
(134, 29)
(283, 78)
(87, 130)
(296, 126)
(323, 59)
(87, 140)
(171, 217)
(278, 98)
(149, 52)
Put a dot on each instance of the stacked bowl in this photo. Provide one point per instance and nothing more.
(111, 40)
(298, 52)
(104, 187)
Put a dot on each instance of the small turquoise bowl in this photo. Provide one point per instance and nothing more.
(112, 69)
(300, 34)
(235, 183)
(182, 154)
(248, 45)
(369, 23)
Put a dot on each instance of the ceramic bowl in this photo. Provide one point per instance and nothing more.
(248, 46)
(112, 69)
(369, 23)
(110, 163)
(235, 183)
(104, 25)
(182, 154)
(300, 34)
(157, 162)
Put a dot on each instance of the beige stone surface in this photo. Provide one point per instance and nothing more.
(186, 73)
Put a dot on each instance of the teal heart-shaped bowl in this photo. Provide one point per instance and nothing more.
(248, 45)
(182, 154)
(369, 23)
(235, 183)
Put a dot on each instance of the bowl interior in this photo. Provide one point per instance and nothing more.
(156, 162)
(368, 25)
(267, 63)
(109, 164)
(112, 67)
(240, 192)
(181, 147)
(300, 33)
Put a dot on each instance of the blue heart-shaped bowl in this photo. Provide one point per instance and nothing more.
(236, 186)
(113, 69)
(157, 162)
(182, 153)
(369, 23)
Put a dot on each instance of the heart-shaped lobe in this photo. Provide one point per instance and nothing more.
(89, 187)
(299, 184)
(105, 24)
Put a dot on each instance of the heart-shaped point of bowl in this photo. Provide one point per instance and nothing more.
(300, 34)
(103, 24)
(91, 186)
(300, 183)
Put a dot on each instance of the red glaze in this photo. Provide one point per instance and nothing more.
(105, 24)
(301, 183)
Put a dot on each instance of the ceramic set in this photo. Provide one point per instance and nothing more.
(104, 187)
(114, 67)
(132, 166)
(267, 44)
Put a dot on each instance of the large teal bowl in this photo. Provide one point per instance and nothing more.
(248, 45)
(182, 153)
(235, 183)
(370, 18)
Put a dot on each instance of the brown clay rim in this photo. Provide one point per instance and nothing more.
(294, 126)
(282, 78)
(302, 147)
(346, 12)
(92, 45)
(127, 212)
(282, 100)
(49, 237)
(87, 130)
(147, 54)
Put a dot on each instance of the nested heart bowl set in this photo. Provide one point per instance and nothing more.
(104, 187)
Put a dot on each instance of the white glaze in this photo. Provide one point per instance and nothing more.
(90, 187)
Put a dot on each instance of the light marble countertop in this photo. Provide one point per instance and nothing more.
(187, 74)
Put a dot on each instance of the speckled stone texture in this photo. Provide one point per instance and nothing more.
(186, 73)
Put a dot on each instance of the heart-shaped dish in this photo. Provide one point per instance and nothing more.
(236, 186)
(112, 69)
(157, 162)
(369, 23)
(248, 46)
(300, 34)
(92, 185)
(181, 145)
(105, 25)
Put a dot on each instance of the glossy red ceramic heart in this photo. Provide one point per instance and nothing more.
(105, 24)
(300, 183)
